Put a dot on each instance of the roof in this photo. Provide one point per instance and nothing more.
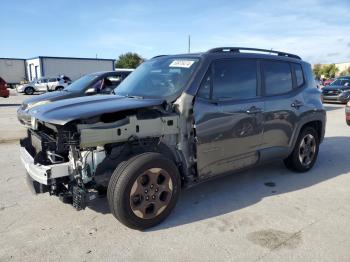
(11, 58)
(237, 51)
(72, 58)
(124, 69)
(110, 72)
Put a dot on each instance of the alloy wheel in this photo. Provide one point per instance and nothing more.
(151, 193)
(307, 149)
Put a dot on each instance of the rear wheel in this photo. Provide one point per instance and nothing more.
(143, 190)
(348, 122)
(305, 151)
(29, 90)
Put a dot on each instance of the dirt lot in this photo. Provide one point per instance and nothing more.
(265, 214)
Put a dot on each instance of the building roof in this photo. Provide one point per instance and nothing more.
(74, 58)
(11, 58)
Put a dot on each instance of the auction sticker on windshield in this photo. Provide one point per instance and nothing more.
(182, 63)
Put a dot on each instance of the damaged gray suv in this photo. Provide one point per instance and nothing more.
(176, 121)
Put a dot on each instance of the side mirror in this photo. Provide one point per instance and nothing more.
(90, 91)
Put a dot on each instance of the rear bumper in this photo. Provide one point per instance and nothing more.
(4, 93)
(42, 174)
(347, 113)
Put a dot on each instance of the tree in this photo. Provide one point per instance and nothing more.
(129, 60)
(329, 71)
(345, 72)
(317, 70)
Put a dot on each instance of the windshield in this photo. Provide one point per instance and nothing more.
(337, 82)
(81, 83)
(161, 77)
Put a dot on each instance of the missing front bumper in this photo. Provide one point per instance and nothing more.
(43, 174)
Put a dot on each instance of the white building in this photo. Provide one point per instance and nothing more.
(16, 70)
(13, 70)
(72, 67)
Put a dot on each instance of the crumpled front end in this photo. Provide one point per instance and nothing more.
(76, 160)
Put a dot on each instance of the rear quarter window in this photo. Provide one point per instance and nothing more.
(299, 75)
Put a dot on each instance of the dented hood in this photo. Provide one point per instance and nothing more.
(64, 111)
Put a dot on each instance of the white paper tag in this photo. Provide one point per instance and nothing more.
(182, 63)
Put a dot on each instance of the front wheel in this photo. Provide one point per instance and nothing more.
(304, 154)
(59, 88)
(143, 190)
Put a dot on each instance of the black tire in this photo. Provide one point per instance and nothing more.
(29, 90)
(348, 122)
(293, 161)
(59, 88)
(123, 179)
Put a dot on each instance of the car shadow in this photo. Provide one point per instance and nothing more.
(234, 192)
(5, 105)
(333, 107)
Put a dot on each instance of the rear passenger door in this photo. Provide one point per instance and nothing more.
(283, 101)
(228, 116)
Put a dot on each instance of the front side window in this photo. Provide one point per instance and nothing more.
(42, 80)
(162, 77)
(231, 79)
(205, 87)
(52, 79)
(82, 83)
(277, 77)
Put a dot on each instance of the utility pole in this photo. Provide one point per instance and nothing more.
(189, 43)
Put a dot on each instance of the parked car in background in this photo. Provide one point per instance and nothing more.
(326, 82)
(4, 92)
(90, 84)
(177, 121)
(347, 113)
(338, 91)
(44, 84)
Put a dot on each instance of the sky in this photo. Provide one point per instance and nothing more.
(317, 30)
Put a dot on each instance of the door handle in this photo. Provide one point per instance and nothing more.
(253, 110)
(297, 104)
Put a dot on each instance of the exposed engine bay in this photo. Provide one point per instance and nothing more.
(75, 161)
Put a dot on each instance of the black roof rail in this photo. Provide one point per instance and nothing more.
(238, 50)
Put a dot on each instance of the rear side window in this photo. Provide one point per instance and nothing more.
(234, 79)
(278, 77)
(299, 74)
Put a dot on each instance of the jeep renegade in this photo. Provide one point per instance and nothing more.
(176, 121)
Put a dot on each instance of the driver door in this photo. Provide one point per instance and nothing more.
(41, 85)
(229, 117)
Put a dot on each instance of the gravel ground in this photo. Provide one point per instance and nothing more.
(264, 214)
